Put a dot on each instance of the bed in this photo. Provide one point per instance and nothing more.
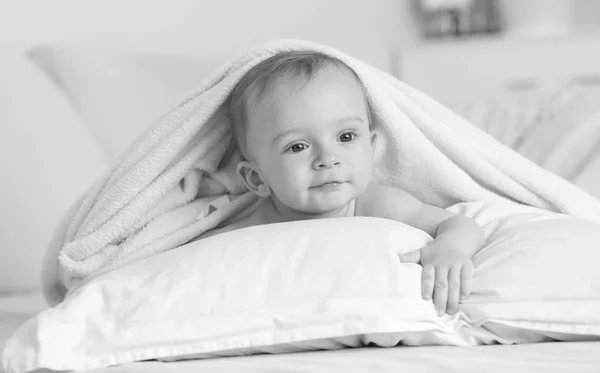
(547, 357)
(95, 86)
(63, 65)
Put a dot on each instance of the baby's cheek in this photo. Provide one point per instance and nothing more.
(295, 177)
(293, 199)
(363, 176)
(289, 189)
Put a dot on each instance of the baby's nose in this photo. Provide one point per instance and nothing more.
(327, 161)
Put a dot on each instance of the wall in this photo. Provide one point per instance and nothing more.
(48, 157)
(365, 29)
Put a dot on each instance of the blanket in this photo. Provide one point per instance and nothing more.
(178, 180)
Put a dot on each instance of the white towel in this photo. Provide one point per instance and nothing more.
(157, 197)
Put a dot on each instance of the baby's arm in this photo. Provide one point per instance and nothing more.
(446, 261)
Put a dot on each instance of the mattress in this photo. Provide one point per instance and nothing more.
(543, 357)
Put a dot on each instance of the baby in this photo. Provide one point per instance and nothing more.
(303, 126)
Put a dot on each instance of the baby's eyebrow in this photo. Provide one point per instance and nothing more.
(283, 134)
(350, 119)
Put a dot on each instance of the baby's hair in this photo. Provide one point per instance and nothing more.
(295, 64)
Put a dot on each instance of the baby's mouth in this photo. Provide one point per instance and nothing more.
(329, 184)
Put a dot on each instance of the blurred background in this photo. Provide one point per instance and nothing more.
(81, 79)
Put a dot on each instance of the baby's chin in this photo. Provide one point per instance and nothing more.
(322, 210)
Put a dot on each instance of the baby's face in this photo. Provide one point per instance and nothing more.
(311, 141)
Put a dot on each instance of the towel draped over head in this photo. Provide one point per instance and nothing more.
(161, 193)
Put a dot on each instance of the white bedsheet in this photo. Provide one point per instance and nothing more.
(544, 357)
(15, 309)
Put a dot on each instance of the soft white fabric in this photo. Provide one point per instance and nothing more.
(292, 286)
(558, 130)
(537, 276)
(548, 357)
(323, 284)
(149, 201)
(507, 118)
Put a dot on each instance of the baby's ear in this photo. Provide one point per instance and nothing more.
(377, 144)
(373, 137)
(252, 178)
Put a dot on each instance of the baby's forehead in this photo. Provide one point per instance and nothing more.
(306, 99)
(269, 84)
(313, 103)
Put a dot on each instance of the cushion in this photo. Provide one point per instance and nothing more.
(323, 284)
(120, 93)
(290, 286)
(47, 158)
(536, 279)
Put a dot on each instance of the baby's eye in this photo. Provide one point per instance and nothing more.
(296, 148)
(347, 136)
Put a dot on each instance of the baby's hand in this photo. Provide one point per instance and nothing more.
(412, 257)
(447, 275)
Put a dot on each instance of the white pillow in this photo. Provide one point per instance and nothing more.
(302, 285)
(322, 284)
(119, 93)
(537, 278)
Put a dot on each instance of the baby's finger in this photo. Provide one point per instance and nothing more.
(454, 282)
(440, 291)
(466, 280)
(412, 257)
(427, 281)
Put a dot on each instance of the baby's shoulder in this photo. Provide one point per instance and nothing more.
(379, 199)
(255, 218)
(258, 217)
